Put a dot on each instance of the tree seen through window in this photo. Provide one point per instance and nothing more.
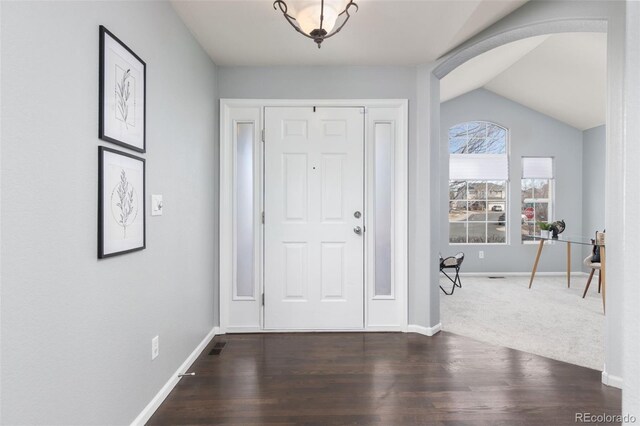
(477, 205)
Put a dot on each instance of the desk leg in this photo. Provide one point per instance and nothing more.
(604, 278)
(568, 265)
(535, 265)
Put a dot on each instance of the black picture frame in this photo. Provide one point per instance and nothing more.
(102, 131)
(101, 205)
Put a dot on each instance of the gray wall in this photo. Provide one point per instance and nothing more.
(317, 82)
(76, 331)
(531, 134)
(594, 149)
(424, 178)
(340, 83)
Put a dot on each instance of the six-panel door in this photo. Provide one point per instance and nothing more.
(314, 218)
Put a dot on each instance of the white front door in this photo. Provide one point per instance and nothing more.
(314, 218)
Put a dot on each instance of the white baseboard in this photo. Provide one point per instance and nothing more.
(613, 381)
(368, 329)
(521, 274)
(151, 408)
(385, 328)
(426, 331)
(241, 329)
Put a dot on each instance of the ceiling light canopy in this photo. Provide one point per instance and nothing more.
(318, 20)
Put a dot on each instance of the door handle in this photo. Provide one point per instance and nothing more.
(357, 230)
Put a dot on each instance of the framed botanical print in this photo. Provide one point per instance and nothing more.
(122, 94)
(121, 203)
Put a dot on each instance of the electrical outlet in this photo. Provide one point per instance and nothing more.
(155, 347)
(481, 254)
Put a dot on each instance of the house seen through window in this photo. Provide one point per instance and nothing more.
(478, 176)
(536, 194)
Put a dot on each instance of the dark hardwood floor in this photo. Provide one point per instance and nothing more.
(380, 378)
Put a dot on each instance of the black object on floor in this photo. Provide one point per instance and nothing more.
(452, 263)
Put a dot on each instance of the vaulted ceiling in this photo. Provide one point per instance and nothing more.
(561, 75)
(398, 32)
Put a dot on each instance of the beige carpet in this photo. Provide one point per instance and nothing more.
(549, 320)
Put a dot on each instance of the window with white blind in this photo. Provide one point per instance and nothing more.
(478, 176)
(536, 194)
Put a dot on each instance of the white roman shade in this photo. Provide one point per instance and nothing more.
(537, 168)
(478, 167)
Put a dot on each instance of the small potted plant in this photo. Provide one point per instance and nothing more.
(544, 229)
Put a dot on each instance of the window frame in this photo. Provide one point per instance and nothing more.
(551, 199)
(551, 205)
(507, 183)
(485, 222)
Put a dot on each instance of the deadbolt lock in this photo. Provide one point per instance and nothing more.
(357, 215)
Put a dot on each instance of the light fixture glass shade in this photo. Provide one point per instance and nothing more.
(309, 15)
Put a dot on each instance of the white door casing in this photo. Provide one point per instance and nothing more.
(385, 130)
(314, 185)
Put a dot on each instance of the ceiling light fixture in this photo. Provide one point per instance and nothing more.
(318, 21)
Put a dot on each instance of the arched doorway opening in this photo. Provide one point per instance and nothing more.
(539, 20)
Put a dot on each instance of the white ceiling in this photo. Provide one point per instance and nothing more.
(391, 32)
(562, 76)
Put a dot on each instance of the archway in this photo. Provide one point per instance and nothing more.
(529, 21)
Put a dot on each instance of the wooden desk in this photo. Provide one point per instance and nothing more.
(568, 241)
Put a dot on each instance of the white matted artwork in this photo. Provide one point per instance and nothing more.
(121, 206)
(122, 94)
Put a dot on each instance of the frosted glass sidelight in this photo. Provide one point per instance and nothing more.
(384, 144)
(245, 282)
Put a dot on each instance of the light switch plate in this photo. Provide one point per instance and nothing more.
(156, 205)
